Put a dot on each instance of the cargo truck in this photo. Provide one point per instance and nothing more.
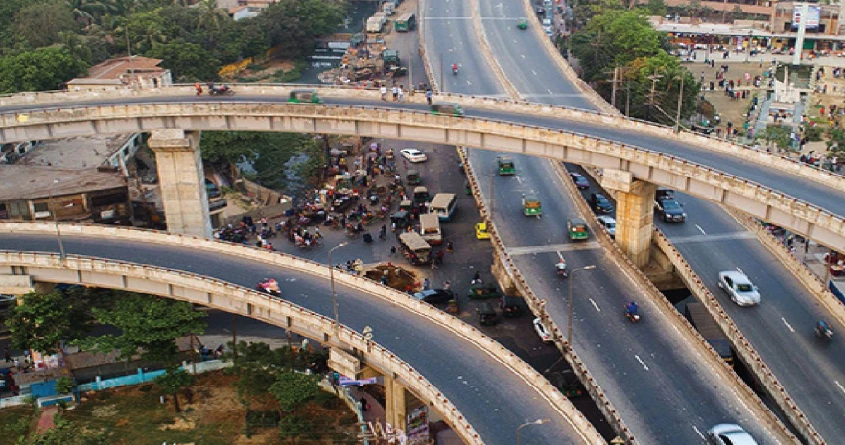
(375, 24)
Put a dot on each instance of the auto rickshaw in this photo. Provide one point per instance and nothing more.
(522, 23)
(505, 165)
(482, 292)
(531, 205)
(401, 219)
(406, 205)
(447, 109)
(467, 188)
(304, 97)
(413, 177)
(578, 229)
(487, 315)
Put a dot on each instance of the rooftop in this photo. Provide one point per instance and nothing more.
(120, 66)
(35, 182)
(89, 359)
(79, 153)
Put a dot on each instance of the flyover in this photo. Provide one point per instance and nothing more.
(557, 133)
(475, 383)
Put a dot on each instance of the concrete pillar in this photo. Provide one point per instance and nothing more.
(182, 182)
(634, 213)
(396, 411)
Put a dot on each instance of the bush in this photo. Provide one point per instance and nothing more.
(814, 133)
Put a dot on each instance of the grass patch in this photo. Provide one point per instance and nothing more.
(15, 421)
(292, 75)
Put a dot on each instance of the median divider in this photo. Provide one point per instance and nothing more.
(743, 348)
(481, 36)
(494, 349)
(537, 307)
(694, 340)
(429, 70)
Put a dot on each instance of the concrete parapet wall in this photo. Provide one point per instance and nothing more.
(242, 298)
(741, 345)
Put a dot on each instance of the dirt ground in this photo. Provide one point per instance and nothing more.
(728, 109)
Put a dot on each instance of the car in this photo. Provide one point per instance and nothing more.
(541, 331)
(729, 434)
(481, 231)
(609, 224)
(739, 287)
(435, 296)
(580, 181)
(600, 203)
(414, 155)
(671, 210)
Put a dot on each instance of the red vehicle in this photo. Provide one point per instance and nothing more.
(270, 286)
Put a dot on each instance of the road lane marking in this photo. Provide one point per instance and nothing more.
(698, 432)
(523, 56)
(700, 229)
(596, 305)
(533, 72)
(836, 382)
(559, 255)
(641, 362)
(706, 238)
(528, 250)
(787, 325)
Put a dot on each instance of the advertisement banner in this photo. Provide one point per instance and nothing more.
(812, 20)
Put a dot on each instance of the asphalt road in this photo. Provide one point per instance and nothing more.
(646, 371)
(493, 399)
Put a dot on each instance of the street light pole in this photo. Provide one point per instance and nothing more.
(536, 422)
(680, 104)
(331, 278)
(56, 221)
(571, 310)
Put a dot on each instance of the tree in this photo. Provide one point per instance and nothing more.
(148, 323)
(66, 433)
(210, 18)
(42, 321)
(87, 12)
(40, 24)
(614, 39)
(293, 389)
(172, 382)
(189, 62)
(64, 385)
(39, 70)
(777, 135)
(656, 7)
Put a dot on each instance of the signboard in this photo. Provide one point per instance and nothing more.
(346, 381)
(418, 432)
(812, 20)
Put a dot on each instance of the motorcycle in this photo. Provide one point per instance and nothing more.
(561, 269)
(632, 314)
(269, 286)
(221, 91)
(454, 69)
(823, 330)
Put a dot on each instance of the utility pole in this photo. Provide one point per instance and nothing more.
(627, 99)
(613, 90)
(680, 103)
(654, 78)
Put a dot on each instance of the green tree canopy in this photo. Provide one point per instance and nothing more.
(148, 323)
(66, 433)
(613, 39)
(172, 382)
(293, 389)
(189, 62)
(39, 70)
(42, 321)
(41, 23)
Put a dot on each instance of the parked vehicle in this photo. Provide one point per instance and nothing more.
(609, 224)
(505, 166)
(542, 332)
(413, 155)
(430, 229)
(401, 218)
(413, 177)
(304, 97)
(578, 229)
(483, 292)
(511, 306)
(600, 203)
(415, 248)
(531, 205)
(481, 231)
(580, 181)
(405, 23)
(739, 288)
(435, 296)
(443, 205)
(487, 315)
(701, 320)
(420, 196)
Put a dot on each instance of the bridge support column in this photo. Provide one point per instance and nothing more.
(182, 181)
(634, 213)
(396, 409)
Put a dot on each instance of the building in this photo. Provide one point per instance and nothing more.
(134, 71)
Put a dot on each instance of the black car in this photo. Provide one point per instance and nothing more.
(671, 210)
(600, 203)
(435, 296)
(580, 181)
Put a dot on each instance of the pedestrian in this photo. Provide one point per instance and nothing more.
(426, 284)
(6, 355)
(447, 286)
(395, 91)
(477, 278)
(364, 404)
(428, 96)
(335, 378)
(401, 93)
(383, 91)
(392, 250)
(439, 257)
(450, 247)
(199, 88)
(384, 278)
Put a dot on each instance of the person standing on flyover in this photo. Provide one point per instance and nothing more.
(199, 88)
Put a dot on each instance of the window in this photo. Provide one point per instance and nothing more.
(42, 207)
(743, 287)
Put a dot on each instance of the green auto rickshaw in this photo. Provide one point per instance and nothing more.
(487, 315)
(505, 166)
(531, 205)
(304, 97)
(522, 23)
(413, 177)
(447, 109)
(578, 229)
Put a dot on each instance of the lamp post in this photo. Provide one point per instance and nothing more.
(536, 422)
(54, 211)
(331, 278)
(571, 310)
(680, 104)
(748, 45)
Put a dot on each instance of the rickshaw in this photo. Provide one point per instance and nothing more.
(482, 292)
(505, 165)
(447, 109)
(467, 188)
(413, 177)
(531, 205)
(578, 229)
(487, 315)
(522, 23)
(304, 97)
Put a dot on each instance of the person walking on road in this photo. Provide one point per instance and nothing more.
(428, 96)
(383, 91)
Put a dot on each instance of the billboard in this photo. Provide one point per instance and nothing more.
(812, 20)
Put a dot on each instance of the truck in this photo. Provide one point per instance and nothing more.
(375, 24)
(389, 8)
(701, 320)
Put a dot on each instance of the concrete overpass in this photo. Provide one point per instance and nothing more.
(538, 130)
(478, 386)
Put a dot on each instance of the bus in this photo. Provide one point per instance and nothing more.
(406, 22)
(443, 205)
(415, 248)
(430, 229)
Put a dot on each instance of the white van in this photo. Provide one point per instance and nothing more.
(430, 229)
(443, 205)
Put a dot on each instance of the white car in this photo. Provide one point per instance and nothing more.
(608, 223)
(541, 330)
(729, 434)
(414, 155)
(739, 287)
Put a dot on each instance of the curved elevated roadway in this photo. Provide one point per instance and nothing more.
(646, 370)
(780, 329)
(493, 398)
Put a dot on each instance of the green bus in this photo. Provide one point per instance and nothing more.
(405, 23)
(506, 167)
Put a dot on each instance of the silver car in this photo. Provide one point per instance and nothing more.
(729, 434)
(609, 223)
(739, 287)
